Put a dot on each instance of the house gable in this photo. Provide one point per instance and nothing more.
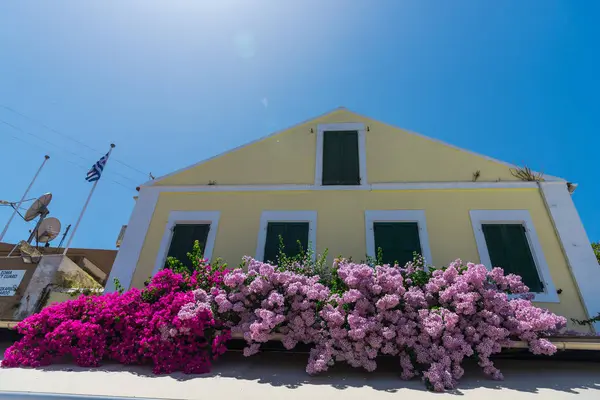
(393, 155)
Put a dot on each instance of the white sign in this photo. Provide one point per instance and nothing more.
(10, 281)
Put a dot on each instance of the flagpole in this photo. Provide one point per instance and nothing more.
(112, 146)
(46, 157)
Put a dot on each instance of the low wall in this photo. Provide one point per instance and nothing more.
(52, 271)
(58, 295)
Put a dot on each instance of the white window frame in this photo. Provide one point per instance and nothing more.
(418, 216)
(286, 216)
(522, 217)
(362, 152)
(188, 218)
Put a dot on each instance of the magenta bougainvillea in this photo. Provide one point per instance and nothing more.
(169, 325)
(430, 320)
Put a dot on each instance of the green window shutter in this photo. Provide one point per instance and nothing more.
(291, 233)
(183, 241)
(397, 240)
(340, 158)
(509, 249)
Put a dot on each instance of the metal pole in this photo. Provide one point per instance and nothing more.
(86, 204)
(46, 157)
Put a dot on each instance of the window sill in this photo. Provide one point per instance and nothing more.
(341, 187)
(541, 297)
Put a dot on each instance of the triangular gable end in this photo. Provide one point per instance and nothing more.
(549, 178)
(260, 139)
(159, 180)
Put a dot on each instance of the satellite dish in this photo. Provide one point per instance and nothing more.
(48, 230)
(38, 207)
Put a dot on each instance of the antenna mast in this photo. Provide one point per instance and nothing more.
(64, 235)
(46, 157)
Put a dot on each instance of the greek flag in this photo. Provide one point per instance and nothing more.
(96, 170)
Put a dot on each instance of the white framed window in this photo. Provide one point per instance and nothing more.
(187, 226)
(507, 239)
(341, 158)
(292, 226)
(398, 233)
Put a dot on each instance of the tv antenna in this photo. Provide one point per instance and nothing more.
(45, 229)
(65, 233)
(17, 206)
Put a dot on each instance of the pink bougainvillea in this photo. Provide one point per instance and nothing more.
(431, 320)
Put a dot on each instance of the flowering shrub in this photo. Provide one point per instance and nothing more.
(168, 325)
(431, 320)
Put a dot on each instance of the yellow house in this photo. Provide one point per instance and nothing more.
(352, 184)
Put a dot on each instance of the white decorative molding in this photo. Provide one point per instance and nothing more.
(187, 217)
(575, 243)
(479, 217)
(367, 187)
(286, 216)
(418, 216)
(135, 235)
(139, 222)
(362, 150)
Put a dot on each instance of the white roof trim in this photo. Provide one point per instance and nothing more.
(369, 187)
(154, 181)
(546, 177)
(160, 178)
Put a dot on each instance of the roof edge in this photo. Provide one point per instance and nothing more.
(154, 181)
(549, 178)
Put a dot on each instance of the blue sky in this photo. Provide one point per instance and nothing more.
(174, 82)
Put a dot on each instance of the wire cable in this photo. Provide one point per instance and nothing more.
(68, 137)
(69, 161)
(60, 148)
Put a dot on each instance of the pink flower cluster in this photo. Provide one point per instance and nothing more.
(167, 325)
(430, 320)
(456, 312)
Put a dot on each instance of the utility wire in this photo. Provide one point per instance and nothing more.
(40, 138)
(69, 137)
(71, 162)
(60, 148)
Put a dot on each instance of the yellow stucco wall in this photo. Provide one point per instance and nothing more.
(393, 155)
(341, 226)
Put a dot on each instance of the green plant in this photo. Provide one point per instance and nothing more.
(377, 260)
(118, 287)
(304, 261)
(77, 283)
(586, 322)
(593, 320)
(526, 174)
(196, 257)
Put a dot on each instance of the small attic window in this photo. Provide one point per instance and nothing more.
(341, 158)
